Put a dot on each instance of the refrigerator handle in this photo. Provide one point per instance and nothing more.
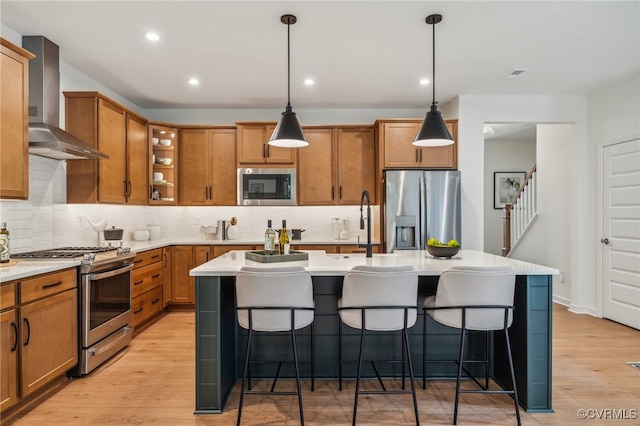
(422, 213)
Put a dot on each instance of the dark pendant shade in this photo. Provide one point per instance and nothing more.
(288, 133)
(433, 131)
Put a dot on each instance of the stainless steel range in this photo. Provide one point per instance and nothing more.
(104, 298)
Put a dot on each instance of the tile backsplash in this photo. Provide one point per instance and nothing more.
(46, 221)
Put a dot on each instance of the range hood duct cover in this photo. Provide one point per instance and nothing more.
(45, 137)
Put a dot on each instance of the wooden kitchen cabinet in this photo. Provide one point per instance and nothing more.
(395, 139)
(219, 250)
(253, 147)
(163, 191)
(166, 276)
(337, 166)
(39, 334)
(14, 119)
(183, 259)
(208, 166)
(9, 339)
(119, 133)
(147, 286)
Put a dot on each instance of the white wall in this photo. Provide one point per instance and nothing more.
(502, 156)
(614, 116)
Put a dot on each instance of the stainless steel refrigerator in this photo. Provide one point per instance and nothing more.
(421, 204)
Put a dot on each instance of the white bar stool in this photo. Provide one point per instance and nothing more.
(274, 299)
(474, 298)
(375, 299)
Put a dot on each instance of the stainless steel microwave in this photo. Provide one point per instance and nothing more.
(266, 187)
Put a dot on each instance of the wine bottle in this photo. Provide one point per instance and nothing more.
(269, 239)
(4, 243)
(284, 239)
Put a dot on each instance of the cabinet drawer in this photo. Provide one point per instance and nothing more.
(48, 284)
(7, 295)
(145, 278)
(147, 257)
(146, 305)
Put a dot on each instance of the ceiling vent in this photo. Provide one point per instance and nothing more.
(514, 73)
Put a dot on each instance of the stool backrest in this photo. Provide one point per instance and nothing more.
(475, 286)
(287, 286)
(380, 286)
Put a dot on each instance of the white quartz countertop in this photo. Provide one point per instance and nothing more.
(28, 268)
(320, 263)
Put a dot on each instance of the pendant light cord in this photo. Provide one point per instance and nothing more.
(289, 64)
(434, 64)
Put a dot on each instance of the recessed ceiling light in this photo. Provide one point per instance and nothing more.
(424, 81)
(151, 36)
(194, 81)
(309, 82)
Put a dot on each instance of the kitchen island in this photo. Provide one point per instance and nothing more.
(220, 342)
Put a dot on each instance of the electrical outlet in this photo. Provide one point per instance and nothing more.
(561, 275)
(198, 220)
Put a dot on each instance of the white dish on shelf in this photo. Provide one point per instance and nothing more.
(165, 142)
(166, 199)
(157, 182)
(166, 161)
(155, 141)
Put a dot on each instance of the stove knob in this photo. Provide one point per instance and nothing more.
(85, 256)
(120, 251)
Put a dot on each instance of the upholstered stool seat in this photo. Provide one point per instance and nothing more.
(479, 299)
(274, 299)
(376, 299)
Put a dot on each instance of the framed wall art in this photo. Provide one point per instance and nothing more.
(505, 187)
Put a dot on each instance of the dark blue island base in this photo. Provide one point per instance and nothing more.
(220, 342)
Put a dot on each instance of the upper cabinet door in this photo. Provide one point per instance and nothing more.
(14, 121)
(317, 169)
(137, 161)
(112, 173)
(253, 147)
(396, 144)
(223, 164)
(356, 164)
(195, 167)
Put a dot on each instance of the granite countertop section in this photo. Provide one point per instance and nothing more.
(320, 263)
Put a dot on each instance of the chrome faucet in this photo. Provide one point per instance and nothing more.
(368, 246)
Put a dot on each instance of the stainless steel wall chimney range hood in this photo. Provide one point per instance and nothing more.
(45, 137)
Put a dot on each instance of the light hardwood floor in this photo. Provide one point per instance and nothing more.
(152, 383)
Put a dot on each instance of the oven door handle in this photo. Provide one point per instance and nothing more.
(103, 275)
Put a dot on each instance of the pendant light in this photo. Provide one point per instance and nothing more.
(433, 131)
(288, 133)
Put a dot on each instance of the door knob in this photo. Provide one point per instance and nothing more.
(604, 240)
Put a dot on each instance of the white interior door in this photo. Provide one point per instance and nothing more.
(621, 233)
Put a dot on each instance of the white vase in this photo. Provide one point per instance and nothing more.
(233, 232)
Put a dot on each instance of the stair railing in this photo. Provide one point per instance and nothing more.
(520, 213)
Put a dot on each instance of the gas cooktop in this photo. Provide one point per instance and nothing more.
(62, 253)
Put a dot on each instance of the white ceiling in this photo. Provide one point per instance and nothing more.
(362, 54)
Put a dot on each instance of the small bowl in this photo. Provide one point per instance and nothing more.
(155, 141)
(446, 251)
(165, 142)
(165, 161)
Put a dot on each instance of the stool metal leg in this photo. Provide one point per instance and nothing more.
(340, 355)
(244, 373)
(295, 362)
(355, 403)
(460, 362)
(413, 389)
(313, 376)
(513, 376)
(424, 350)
